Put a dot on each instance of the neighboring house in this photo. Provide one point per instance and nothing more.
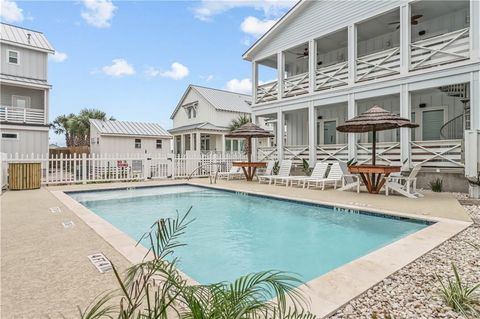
(24, 90)
(335, 59)
(121, 137)
(201, 119)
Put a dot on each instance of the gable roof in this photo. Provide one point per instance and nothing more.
(130, 128)
(31, 39)
(220, 99)
(204, 126)
(292, 12)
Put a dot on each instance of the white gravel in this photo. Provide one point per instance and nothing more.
(413, 291)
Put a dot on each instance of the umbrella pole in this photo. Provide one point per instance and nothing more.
(374, 146)
(249, 149)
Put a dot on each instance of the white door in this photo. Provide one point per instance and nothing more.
(432, 122)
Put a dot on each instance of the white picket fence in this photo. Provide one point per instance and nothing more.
(86, 168)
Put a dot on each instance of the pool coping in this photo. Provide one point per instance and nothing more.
(327, 292)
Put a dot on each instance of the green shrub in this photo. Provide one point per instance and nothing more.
(276, 168)
(437, 185)
(306, 168)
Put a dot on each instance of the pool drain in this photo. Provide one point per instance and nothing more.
(68, 224)
(100, 262)
(55, 210)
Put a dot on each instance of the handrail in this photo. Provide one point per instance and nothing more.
(449, 130)
(198, 167)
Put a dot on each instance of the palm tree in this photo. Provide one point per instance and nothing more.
(63, 125)
(241, 120)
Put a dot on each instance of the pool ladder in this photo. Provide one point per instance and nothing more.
(210, 175)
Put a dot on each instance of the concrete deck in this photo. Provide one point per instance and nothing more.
(45, 269)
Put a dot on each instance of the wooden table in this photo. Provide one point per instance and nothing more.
(249, 168)
(373, 176)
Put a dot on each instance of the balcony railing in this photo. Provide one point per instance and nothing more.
(331, 76)
(267, 92)
(296, 85)
(22, 115)
(446, 48)
(378, 64)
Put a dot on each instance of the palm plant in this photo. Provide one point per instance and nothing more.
(241, 120)
(155, 288)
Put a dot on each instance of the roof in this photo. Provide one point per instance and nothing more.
(7, 77)
(24, 37)
(220, 99)
(204, 126)
(272, 30)
(130, 128)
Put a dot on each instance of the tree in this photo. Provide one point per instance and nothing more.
(241, 120)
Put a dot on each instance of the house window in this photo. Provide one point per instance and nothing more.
(159, 144)
(9, 136)
(92, 140)
(191, 112)
(21, 101)
(228, 145)
(13, 57)
(138, 143)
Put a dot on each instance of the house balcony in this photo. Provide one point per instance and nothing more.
(11, 114)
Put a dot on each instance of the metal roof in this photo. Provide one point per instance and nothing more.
(11, 34)
(130, 128)
(7, 77)
(220, 99)
(203, 126)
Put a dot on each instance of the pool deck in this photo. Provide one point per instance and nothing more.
(45, 270)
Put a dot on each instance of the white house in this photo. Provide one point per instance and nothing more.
(121, 137)
(332, 60)
(201, 119)
(24, 90)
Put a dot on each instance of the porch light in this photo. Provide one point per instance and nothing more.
(422, 105)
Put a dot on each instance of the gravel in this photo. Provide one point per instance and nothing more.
(413, 291)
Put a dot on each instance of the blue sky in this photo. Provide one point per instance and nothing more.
(134, 60)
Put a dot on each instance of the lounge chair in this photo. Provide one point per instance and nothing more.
(285, 167)
(349, 181)
(318, 172)
(406, 186)
(268, 169)
(334, 176)
(235, 172)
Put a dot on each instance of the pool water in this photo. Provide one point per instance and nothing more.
(234, 234)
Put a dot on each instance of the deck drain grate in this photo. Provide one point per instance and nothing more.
(55, 210)
(100, 262)
(68, 224)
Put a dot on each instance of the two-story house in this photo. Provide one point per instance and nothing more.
(201, 119)
(24, 90)
(332, 60)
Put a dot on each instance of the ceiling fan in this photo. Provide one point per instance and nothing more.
(303, 55)
(413, 21)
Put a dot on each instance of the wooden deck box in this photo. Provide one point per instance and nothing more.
(23, 176)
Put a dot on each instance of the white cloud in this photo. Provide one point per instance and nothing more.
(98, 13)
(210, 8)
(119, 67)
(177, 71)
(58, 56)
(10, 12)
(256, 27)
(240, 86)
(207, 78)
(152, 72)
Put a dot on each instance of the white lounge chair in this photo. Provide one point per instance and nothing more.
(349, 181)
(318, 172)
(235, 172)
(268, 169)
(334, 176)
(285, 167)
(406, 186)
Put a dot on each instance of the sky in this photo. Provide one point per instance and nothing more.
(135, 59)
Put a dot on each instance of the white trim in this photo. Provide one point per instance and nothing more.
(8, 57)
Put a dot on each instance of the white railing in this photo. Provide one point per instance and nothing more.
(22, 115)
(331, 76)
(378, 64)
(296, 85)
(72, 169)
(332, 153)
(267, 153)
(444, 153)
(387, 153)
(446, 48)
(296, 153)
(267, 92)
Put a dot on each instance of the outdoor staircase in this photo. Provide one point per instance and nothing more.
(453, 129)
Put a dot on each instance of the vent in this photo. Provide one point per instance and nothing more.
(100, 262)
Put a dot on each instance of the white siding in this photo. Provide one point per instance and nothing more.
(126, 145)
(28, 142)
(297, 127)
(33, 64)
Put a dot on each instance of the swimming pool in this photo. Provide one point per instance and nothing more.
(234, 233)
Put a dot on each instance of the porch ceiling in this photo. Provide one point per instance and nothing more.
(434, 8)
(378, 25)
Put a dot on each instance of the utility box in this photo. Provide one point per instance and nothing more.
(23, 176)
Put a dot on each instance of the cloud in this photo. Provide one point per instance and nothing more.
(240, 86)
(58, 56)
(271, 8)
(98, 13)
(118, 68)
(206, 78)
(177, 71)
(256, 27)
(152, 72)
(10, 12)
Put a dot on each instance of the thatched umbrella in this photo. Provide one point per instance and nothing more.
(249, 131)
(374, 120)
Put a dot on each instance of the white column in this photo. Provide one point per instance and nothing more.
(192, 147)
(405, 133)
(312, 144)
(45, 106)
(404, 38)
(312, 62)
(280, 133)
(254, 81)
(475, 101)
(280, 73)
(223, 145)
(475, 29)
(199, 142)
(352, 53)
(352, 143)
(254, 140)
(182, 144)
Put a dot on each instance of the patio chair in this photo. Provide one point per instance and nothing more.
(318, 172)
(349, 181)
(268, 170)
(235, 172)
(285, 167)
(406, 186)
(334, 176)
